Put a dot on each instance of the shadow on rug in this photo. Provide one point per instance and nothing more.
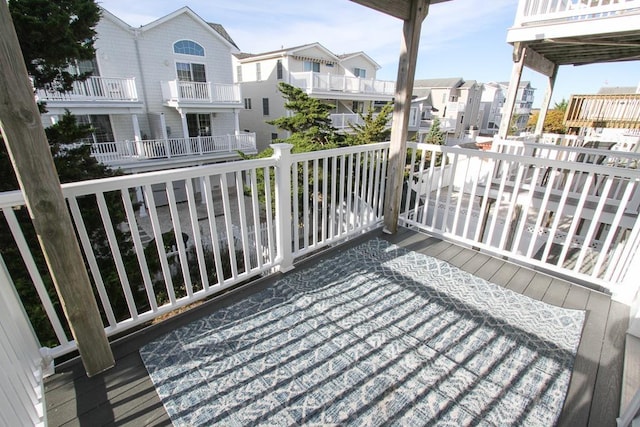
(376, 335)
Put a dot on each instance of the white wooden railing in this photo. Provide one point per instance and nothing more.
(343, 121)
(142, 235)
(21, 362)
(183, 91)
(313, 82)
(574, 218)
(152, 241)
(536, 11)
(119, 153)
(95, 88)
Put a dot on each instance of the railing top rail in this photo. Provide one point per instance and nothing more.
(632, 174)
(339, 151)
(82, 188)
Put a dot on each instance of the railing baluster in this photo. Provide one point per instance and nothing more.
(157, 235)
(34, 274)
(117, 256)
(91, 260)
(213, 230)
(137, 244)
(242, 213)
(226, 206)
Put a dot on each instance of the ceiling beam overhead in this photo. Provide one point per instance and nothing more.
(400, 9)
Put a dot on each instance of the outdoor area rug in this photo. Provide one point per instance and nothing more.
(375, 335)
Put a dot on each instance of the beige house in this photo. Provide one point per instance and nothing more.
(346, 81)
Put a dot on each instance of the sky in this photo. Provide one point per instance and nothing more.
(460, 38)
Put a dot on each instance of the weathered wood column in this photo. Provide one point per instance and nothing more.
(401, 109)
(512, 93)
(32, 161)
(544, 107)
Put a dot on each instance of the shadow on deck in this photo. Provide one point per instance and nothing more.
(125, 395)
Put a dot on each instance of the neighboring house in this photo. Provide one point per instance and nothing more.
(454, 101)
(491, 103)
(523, 105)
(613, 115)
(346, 81)
(161, 95)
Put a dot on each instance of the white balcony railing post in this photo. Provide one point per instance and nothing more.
(282, 155)
(167, 149)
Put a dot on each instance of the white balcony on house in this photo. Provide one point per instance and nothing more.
(555, 28)
(338, 86)
(184, 93)
(135, 156)
(96, 90)
(344, 121)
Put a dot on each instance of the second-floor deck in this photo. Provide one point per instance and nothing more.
(186, 93)
(338, 86)
(147, 154)
(96, 89)
(125, 395)
(197, 232)
(578, 31)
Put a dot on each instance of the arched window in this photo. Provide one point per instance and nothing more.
(188, 47)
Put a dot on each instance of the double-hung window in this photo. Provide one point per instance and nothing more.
(190, 72)
(311, 66)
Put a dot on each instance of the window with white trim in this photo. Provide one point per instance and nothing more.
(190, 72)
(360, 72)
(311, 66)
(247, 103)
(279, 69)
(188, 47)
(265, 106)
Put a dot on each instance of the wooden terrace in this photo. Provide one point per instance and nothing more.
(125, 395)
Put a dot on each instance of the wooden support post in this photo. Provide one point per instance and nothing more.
(401, 111)
(32, 161)
(512, 93)
(551, 81)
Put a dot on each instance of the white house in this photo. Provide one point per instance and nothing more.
(346, 81)
(454, 101)
(491, 103)
(161, 95)
(523, 105)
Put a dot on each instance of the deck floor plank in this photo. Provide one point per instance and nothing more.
(556, 293)
(579, 401)
(520, 280)
(608, 387)
(125, 396)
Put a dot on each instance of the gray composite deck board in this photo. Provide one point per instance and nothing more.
(125, 395)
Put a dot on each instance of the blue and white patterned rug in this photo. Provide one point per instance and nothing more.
(375, 335)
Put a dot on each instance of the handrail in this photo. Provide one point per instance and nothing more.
(568, 217)
(532, 11)
(119, 153)
(94, 88)
(157, 241)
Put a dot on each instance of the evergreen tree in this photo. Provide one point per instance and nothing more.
(435, 135)
(53, 36)
(375, 127)
(310, 123)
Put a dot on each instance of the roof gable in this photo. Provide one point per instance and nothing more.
(187, 11)
(347, 56)
(446, 83)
